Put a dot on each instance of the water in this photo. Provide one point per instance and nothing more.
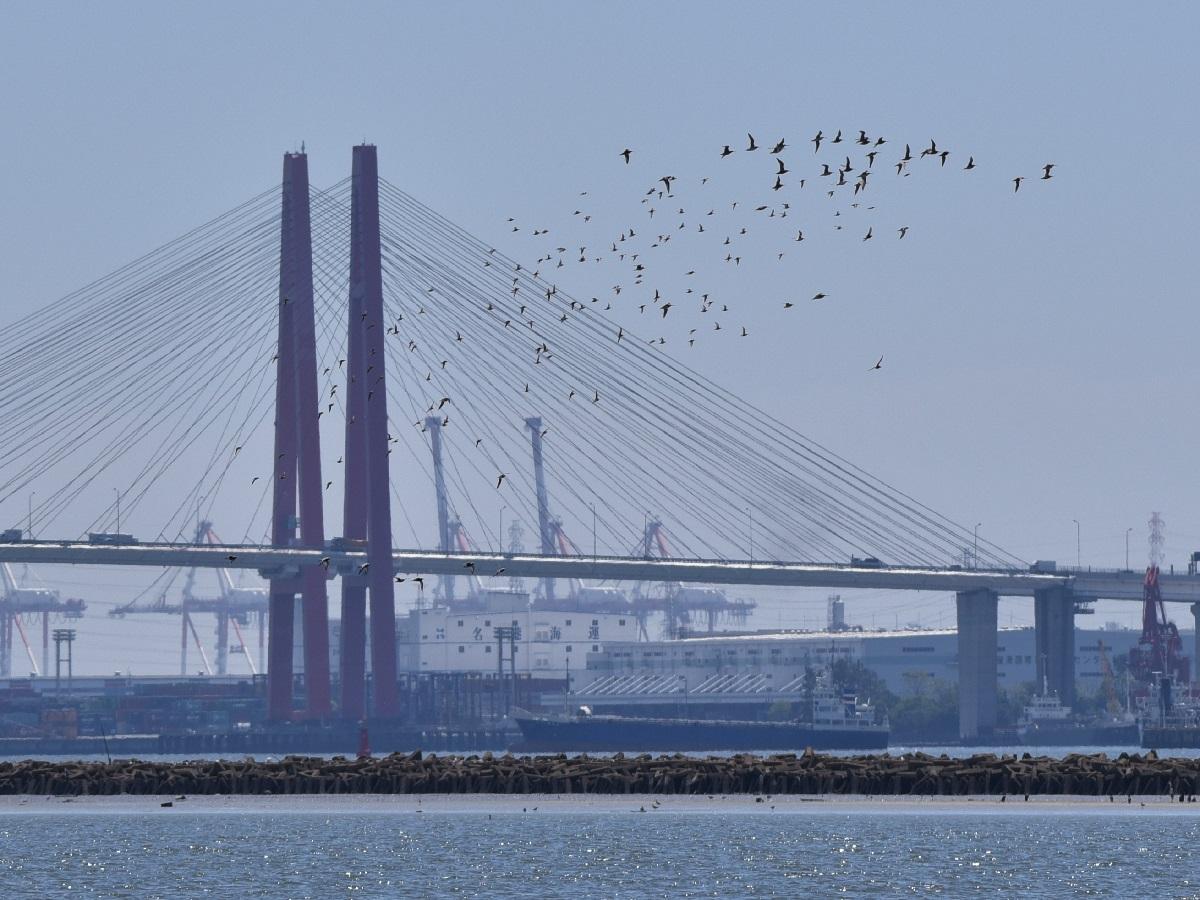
(501, 847)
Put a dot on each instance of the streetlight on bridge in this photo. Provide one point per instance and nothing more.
(975, 554)
(1127, 531)
(1078, 556)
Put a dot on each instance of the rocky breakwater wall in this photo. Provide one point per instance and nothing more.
(807, 773)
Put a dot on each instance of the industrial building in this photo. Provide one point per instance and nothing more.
(901, 658)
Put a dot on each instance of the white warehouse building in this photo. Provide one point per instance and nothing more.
(900, 658)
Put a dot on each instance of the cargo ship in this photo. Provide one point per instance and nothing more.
(1170, 716)
(1046, 722)
(838, 724)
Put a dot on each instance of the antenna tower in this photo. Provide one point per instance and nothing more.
(1158, 539)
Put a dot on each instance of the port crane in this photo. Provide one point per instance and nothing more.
(676, 601)
(233, 607)
(19, 605)
(1159, 650)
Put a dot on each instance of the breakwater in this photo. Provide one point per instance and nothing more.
(806, 773)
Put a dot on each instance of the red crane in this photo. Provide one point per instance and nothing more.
(1159, 649)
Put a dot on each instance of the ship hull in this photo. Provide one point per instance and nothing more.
(618, 733)
(1170, 737)
(1080, 736)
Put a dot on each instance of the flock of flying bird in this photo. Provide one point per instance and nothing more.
(843, 179)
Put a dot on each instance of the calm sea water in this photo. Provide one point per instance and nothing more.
(144, 852)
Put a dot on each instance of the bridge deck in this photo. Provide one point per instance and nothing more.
(285, 562)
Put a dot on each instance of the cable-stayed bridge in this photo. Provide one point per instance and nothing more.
(195, 381)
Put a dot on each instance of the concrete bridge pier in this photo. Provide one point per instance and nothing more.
(1054, 640)
(976, 664)
(1196, 642)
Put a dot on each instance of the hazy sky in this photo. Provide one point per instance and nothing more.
(1039, 361)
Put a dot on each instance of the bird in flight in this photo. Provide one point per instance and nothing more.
(970, 164)
(778, 148)
(726, 151)
(1046, 171)
(818, 296)
(867, 236)
(753, 146)
(500, 480)
(626, 153)
(878, 364)
(1017, 183)
(817, 141)
(903, 231)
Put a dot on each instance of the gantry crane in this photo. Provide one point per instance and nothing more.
(21, 604)
(677, 601)
(233, 608)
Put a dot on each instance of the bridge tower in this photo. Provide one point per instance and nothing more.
(368, 485)
(297, 462)
(545, 525)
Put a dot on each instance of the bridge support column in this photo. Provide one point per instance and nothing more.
(1054, 641)
(976, 664)
(366, 288)
(1196, 642)
(297, 462)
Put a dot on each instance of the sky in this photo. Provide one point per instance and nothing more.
(1038, 344)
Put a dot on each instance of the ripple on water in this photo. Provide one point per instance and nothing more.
(596, 853)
